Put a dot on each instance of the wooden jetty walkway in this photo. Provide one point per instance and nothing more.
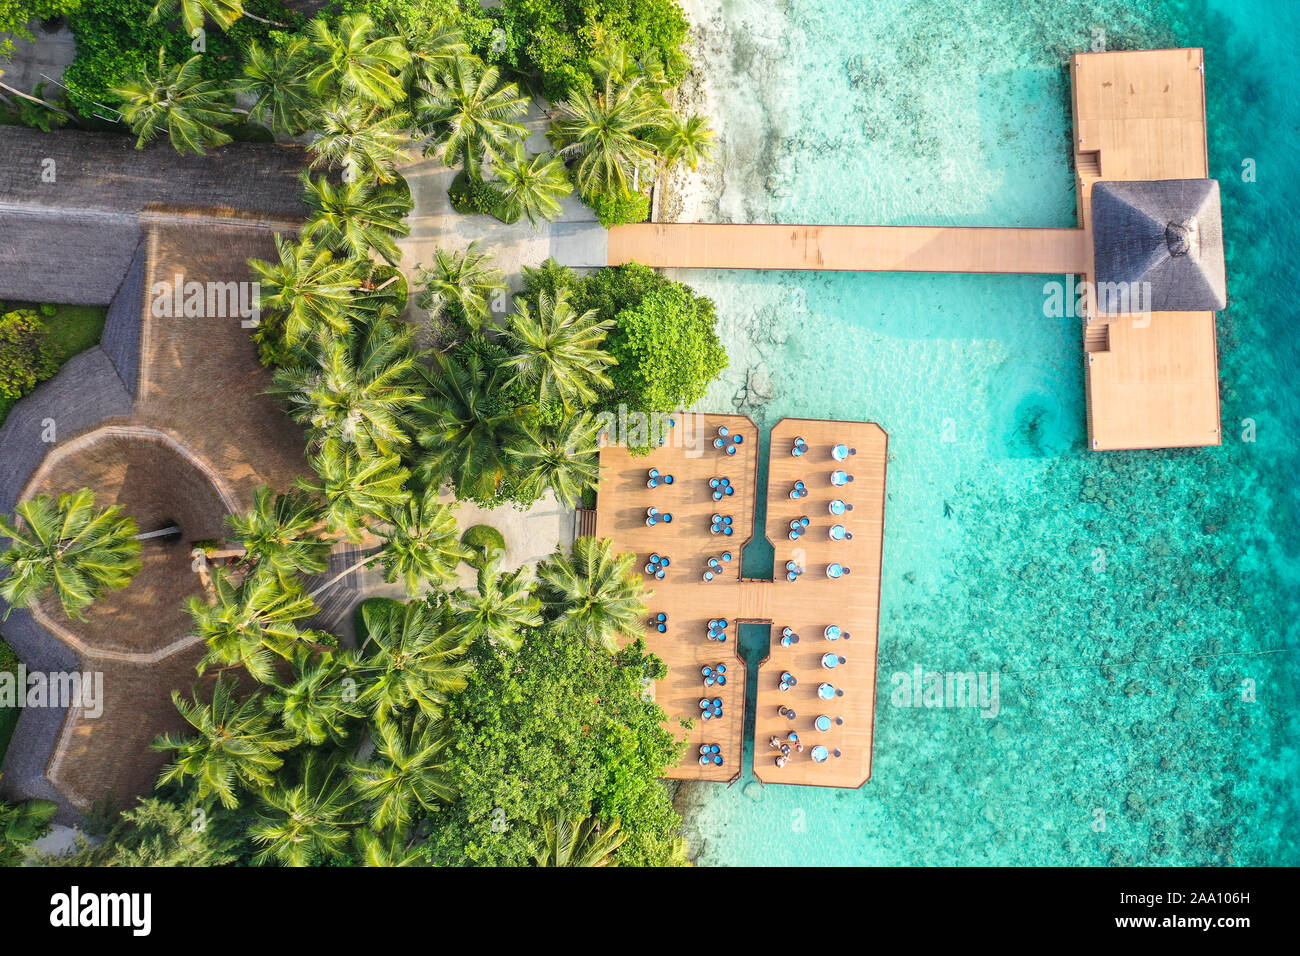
(807, 605)
(1153, 380)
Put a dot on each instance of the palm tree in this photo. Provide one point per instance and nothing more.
(499, 608)
(407, 773)
(69, 548)
(250, 623)
(433, 46)
(279, 532)
(353, 62)
(364, 141)
(178, 100)
(577, 841)
(556, 352)
(682, 140)
(235, 746)
(309, 286)
(608, 130)
(276, 78)
(358, 391)
(532, 186)
(470, 116)
(392, 850)
(352, 218)
(412, 660)
(20, 825)
(321, 701)
(354, 490)
(563, 457)
(306, 824)
(422, 544)
(222, 12)
(462, 283)
(465, 427)
(592, 593)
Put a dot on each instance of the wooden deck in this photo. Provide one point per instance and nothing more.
(850, 248)
(1152, 380)
(808, 605)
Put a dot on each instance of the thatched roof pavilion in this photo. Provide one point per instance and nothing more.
(167, 416)
(1165, 237)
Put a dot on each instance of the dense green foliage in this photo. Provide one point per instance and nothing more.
(20, 824)
(552, 42)
(559, 727)
(27, 356)
(15, 15)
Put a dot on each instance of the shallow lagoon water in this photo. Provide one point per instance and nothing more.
(1132, 604)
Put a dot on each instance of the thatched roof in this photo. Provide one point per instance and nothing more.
(72, 239)
(1164, 238)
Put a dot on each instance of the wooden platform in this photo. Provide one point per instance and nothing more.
(808, 605)
(1152, 380)
(850, 248)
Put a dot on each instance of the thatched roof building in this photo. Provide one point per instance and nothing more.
(167, 416)
(1162, 238)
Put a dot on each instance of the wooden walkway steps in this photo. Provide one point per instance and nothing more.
(850, 248)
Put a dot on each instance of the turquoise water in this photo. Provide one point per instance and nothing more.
(1128, 601)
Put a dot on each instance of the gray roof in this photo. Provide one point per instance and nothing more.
(1158, 246)
(71, 240)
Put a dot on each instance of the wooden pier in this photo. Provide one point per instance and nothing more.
(807, 605)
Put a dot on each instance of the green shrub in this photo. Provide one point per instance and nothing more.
(27, 356)
(551, 42)
(16, 14)
(49, 311)
(619, 209)
(475, 197)
(485, 541)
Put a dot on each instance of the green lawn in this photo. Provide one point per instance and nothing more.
(73, 329)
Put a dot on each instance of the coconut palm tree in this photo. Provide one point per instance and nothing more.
(684, 140)
(412, 660)
(531, 186)
(352, 62)
(177, 100)
(280, 532)
(563, 457)
(422, 546)
(500, 608)
(356, 391)
(20, 825)
(252, 622)
(433, 46)
(307, 824)
(407, 773)
(464, 427)
(577, 841)
(69, 548)
(364, 141)
(321, 702)
(309, 287)
(592, 592)
(463, 285)
(351, 218)
(222, 12)
(276, 78)
(556, 353)
(353, 489)
(470, 114)
(608, 131)
(235, 744)
(393, 849)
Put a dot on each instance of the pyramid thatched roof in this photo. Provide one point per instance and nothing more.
(1163, 238)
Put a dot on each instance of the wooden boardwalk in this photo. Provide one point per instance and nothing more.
(1152, 380)
(808, 605)
(850, 248)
